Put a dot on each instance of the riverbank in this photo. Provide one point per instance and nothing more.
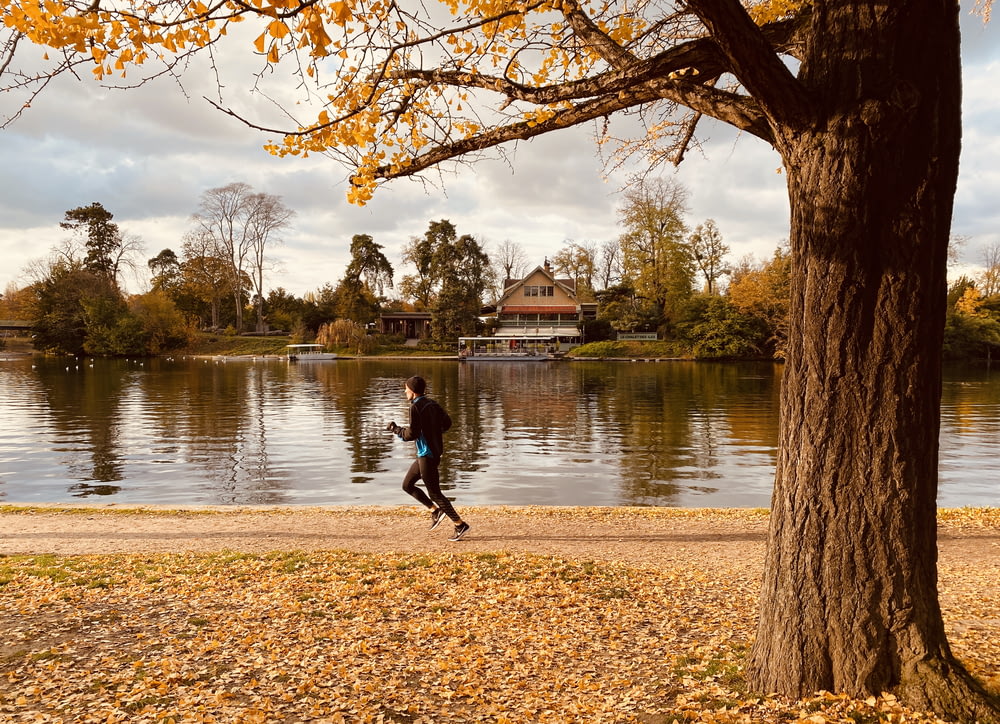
(363, 614)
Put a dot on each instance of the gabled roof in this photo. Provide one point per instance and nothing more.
(508, 283)
(567, 285)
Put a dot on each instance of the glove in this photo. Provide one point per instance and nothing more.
(392, 427)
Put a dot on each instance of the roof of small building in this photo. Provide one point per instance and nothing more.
(539, 309)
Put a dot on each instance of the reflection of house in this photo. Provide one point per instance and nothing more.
(542, 306)
(412, 325)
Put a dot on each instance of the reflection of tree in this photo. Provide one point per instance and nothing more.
(353, 394)
(651, 428)
(969, 404)
(217, 414)
(567, 433)
(85, 490)
(665, 421)
(364, 397)
(85, 408)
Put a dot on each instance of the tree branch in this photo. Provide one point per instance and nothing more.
(752, 59)
(697, 60)
(586, 29)
(728, 107)
(520, 131)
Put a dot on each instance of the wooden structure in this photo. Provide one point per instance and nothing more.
(542, 307)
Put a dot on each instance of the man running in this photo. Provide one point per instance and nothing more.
(428, 423)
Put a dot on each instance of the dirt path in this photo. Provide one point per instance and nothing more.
(713, 539)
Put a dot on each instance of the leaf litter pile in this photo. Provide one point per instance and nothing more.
(352, 637)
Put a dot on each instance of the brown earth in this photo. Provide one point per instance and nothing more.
(712, 559)
(727, 539)
(721, 542)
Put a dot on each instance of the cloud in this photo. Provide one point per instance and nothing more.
(149, 153)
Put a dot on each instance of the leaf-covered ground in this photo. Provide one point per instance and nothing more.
(442, 637)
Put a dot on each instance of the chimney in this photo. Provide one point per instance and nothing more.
(547, 267)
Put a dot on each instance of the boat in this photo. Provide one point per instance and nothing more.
(506, 349)
(307, 353)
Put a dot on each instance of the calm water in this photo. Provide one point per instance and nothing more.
(188, 431)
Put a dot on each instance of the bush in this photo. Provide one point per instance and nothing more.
(597, 330)
(630, 350)
(392, 340)
(435, 346)
(599, 349)
(720, 331)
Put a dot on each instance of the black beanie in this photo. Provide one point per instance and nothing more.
(417, 384)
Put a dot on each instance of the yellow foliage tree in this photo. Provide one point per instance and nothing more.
(861, 101)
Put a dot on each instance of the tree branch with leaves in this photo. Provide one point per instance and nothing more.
(862, 101)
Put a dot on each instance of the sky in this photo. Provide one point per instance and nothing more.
(148, 154)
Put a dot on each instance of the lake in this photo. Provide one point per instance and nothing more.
(187, 431)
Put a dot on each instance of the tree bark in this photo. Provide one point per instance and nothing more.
(849, 601)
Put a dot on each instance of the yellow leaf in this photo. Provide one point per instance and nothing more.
(259, 42)
(277, 29)
(341, 12)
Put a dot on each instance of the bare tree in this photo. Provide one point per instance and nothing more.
(241, 224)
(989, 280)
(266, 216)
(609, 264)
(510, 262)
(709, 253)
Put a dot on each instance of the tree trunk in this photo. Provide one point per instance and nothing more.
(849, 601)
(238, 307)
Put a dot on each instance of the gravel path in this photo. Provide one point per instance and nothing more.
(713, 539)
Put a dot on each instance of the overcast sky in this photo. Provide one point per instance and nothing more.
(148, 155)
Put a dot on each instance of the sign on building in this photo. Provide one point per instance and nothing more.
(637, 336)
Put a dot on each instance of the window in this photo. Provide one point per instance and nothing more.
(539, 291)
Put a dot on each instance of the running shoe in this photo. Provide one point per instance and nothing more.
(460, 530)
(436, 517)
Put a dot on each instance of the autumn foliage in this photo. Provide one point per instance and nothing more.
(352, 637)
(390, 89)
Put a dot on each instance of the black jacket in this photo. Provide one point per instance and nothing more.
(428, 418)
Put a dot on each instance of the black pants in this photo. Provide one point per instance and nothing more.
(426, 469)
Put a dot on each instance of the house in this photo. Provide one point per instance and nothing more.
(541, 306)
(411, 325)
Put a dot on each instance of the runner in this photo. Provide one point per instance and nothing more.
(428, 423)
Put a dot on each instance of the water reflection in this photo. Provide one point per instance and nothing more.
(581, 433)
(85, 415)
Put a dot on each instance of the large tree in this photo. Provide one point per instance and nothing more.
(60, 321)
(367, 275)
(108, 249)
(709, 252)
(166, 270)
(369, 265)
(579, 263)
(656, 260)
(862, 101)
(242, 224)
(464, 273)
(453, 273)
